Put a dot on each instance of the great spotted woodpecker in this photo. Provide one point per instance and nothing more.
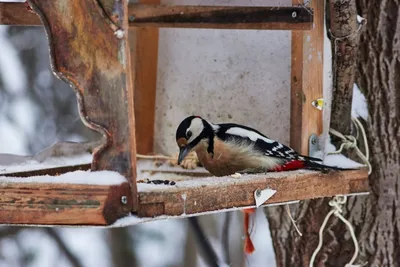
(228, 148)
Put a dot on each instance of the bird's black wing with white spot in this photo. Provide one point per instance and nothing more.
(243, 134)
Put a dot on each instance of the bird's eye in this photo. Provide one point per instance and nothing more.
(189, 134)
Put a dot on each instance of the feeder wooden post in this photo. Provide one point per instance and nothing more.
(307, 80)
(143, 43)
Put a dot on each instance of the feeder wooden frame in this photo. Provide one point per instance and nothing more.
(135, 75)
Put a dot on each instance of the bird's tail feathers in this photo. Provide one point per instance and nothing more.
(311, 158)
(311, 165)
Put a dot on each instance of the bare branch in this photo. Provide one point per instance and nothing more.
(63, 247)
(10, 231)
(225, 236)
(206, 249)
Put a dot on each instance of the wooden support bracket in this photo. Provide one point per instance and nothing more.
(89, 50)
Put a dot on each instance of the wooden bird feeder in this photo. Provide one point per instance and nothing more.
(100, 48)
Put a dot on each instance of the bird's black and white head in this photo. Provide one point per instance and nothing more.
(191, 131)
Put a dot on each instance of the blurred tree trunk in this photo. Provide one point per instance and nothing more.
(121, 247)
(190, 257)
(376, 218)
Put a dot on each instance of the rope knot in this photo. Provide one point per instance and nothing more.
(336, 203)
(349, 141)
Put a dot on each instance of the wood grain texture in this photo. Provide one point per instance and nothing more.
(220, 17)
(144, 59)
(205, 195)
(307, 80)
(62, 204)
(86, 53)
(144, 15)
(18, 14)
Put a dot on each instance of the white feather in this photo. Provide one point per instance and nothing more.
(253, 136)
(196, 127)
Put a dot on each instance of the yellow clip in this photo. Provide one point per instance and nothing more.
(318, 103)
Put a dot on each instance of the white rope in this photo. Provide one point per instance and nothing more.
(292, 220)
(349, 141)
(336, 203)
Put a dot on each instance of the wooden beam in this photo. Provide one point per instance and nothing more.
(307, 80)
(213, 17)
(17, 14)
(67, 203)
(220, 17)
(191, 196)
(143, 43)
(89, 49)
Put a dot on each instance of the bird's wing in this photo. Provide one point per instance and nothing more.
(245, 135)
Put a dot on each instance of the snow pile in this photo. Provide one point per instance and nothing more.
(75, 177)
(338, 160)
(359, 104)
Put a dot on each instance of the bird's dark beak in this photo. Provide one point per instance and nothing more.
(183, 151)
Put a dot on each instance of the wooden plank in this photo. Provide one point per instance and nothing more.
(89, 50)
(17, 14)
(220, 17)
(307, 80)
(216, 193)
(184, 192)
(61, 204)
(215, 17)
(144, 59)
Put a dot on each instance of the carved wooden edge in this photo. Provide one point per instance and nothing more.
(307, 80)
(63, 204)
(103, 84)
(214, 17)
(205, 197)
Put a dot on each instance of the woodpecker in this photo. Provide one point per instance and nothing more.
(228, 148)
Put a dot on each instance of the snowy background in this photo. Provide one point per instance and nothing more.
(37, 110)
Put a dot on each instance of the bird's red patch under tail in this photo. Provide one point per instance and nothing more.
(248, 244)
(290, 166)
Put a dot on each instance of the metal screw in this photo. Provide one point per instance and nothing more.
(294, 14)
(131, 18)
(313, 140)
(124, 200)
(119, 33)
(258, 193)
